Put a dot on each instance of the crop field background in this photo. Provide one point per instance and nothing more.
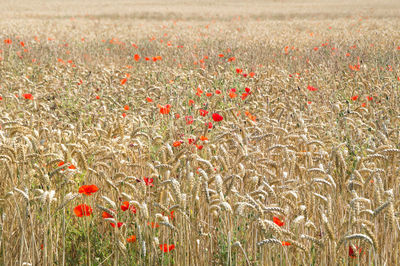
(199, 132)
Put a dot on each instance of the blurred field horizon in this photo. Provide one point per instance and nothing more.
(199, 132)
(195, 10)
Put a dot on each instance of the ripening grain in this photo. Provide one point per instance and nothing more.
(199, 133)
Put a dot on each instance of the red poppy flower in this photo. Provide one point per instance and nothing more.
(123, 81)
(217, 92)
(61, 163)
(277, 221)
(199, 92)
(247, 90)
(352, 252)
(191, 141)
(203, 112)
(354, 98)
(209, 124)
(252, 74)
(245, 75)
(125, 206)
(284, 243)
(27, 96)
(8, 41)
(209, 94)
(171, 216)
(149, 100)
(1, 98)
(119, 224)
(191, 102)
(88, 189)
(131, 239)
(166, 248)
(221, 55)
(177, 116)
(355, 67)
(232, 94)
(153, 224)
(217, 117)
(106, 215)
(136, 57)
(369, 98)
(164, 109)
(83, 210)
(126, 107)
(203, 138)
(177, 143)
(148, 181)
(311, 88)
(189, 119)
(97, 97)
(239, 70)
(199, 147)
(244, 95)
(124, 115)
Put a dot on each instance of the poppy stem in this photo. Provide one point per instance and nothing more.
(88, 241)
(63, 230)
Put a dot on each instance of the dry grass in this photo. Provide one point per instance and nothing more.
(324, 162)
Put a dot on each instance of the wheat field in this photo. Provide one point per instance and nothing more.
(199, 132)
